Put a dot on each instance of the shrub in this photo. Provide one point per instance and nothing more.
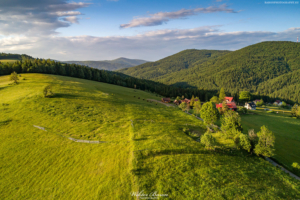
(296, 167)
(245, 142)
(243, 110)
(48, 91)
(208, 140)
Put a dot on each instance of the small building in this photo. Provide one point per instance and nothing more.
(250, 106)
(277, 102)
(166, 100)
(231, 106)
(177, 102)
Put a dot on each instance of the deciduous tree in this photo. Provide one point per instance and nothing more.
(14, 77)
(266, 141)
(209, 113)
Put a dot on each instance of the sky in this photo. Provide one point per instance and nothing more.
(139, 29)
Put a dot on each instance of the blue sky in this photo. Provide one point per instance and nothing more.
(151, 30)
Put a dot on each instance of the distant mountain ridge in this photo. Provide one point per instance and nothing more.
(110, 65)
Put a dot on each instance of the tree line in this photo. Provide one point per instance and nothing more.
(78, 71)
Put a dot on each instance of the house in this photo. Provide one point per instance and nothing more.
(166, 100)
(250, 106)
(277, 102)
(177, 102)
(228, 99)
(186, 101)
(231, 106)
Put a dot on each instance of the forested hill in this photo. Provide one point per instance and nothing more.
(9, 56)
(110, 65)
(182, 60)
(266, 69)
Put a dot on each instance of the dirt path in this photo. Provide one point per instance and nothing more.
(282, 168)
(166, 104)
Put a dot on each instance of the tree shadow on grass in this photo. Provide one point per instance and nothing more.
(65, 95)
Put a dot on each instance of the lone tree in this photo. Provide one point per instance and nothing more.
(208, 140)
(14, 77)
(48, 91)
(209, 113)
(222, 95)
(231, 121)
(266, 141)
(245, 96)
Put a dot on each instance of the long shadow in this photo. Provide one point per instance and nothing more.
(65, 95)
(144, 154)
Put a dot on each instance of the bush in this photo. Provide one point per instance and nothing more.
(48, 91)
(243, 110)
(208, 140)
(296, 167)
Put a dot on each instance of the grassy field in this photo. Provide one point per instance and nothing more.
(285, 128)
(147, 147)
(7, 60)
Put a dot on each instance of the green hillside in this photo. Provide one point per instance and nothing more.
(144, 147)
(110, 65)
(177, 62)
(268, 69)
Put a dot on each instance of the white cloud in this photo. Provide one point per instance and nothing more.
(35, 17)
(163, 17)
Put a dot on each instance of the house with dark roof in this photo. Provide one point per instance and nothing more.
(250, 106)
(277, 103)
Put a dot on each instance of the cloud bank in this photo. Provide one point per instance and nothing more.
(36, 17)
(163, 17)
(152, 45)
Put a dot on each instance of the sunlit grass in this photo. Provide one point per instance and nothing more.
(146, 147)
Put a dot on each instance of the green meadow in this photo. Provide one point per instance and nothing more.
(8, 60)
(145, 147)
(285, 128)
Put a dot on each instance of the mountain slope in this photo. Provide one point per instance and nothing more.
(177, 62)
(110, 65)
(252, 68)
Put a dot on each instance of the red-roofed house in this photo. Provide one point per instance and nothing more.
(228, 99)
(231, 106)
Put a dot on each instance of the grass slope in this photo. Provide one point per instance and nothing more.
(146, 148)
